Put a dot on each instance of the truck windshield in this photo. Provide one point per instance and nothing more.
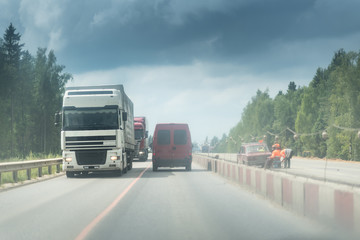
(139, 133)
(90, 119)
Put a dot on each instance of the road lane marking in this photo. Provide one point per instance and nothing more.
(96, 220)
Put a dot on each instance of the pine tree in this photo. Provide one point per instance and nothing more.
(12, 52)
(12, 46)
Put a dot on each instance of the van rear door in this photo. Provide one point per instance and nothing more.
(180, 147)
(164, 148)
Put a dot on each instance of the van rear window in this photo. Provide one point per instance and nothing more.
(180, 137)
(163, 137)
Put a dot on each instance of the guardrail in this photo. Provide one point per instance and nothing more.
(14, 167)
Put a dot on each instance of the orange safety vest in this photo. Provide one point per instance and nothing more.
(276, 153)
(282, 153)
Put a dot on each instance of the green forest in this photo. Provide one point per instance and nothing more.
(321, 120)
(31, 89)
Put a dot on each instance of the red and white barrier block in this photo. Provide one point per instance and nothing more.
(330, 203)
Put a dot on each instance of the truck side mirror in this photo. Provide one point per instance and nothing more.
(57, 118)
(124, 116)
(146, 134)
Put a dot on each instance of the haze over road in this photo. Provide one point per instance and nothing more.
(169, 204)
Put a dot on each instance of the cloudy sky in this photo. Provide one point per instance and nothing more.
(194, 61)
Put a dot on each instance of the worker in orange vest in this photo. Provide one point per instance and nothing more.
(276, 153)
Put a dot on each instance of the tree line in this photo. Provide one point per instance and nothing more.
(321, 119)
(31, 89)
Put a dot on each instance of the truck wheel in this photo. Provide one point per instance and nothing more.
(119, 172)
(130, 164)
(70, 174)
(146, 155)
(125, 168)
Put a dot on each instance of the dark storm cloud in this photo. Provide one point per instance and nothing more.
(93, 34)
(144, 32)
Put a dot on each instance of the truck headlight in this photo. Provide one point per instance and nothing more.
(114, 158)
(68, 159)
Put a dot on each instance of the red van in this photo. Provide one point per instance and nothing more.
(172, 146)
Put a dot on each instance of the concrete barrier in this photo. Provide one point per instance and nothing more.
(334, 204)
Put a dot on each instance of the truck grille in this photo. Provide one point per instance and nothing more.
(90, 157)
(90, 142)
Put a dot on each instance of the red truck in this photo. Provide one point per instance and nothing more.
(141, 135)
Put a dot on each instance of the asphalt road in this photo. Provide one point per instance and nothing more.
(142, 204)
(343, 172)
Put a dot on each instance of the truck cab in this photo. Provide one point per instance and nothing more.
(97, 130)
(141, 136)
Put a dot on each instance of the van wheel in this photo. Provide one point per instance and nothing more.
(155, 167)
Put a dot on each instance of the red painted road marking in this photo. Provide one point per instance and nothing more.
(241, 177)
(270, 186)
(233, 173)
(311, 203)
(287, 192)
(96, 220)
(248, 177)
(258, 180)
(344, 208)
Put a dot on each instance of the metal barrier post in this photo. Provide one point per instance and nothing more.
(28, 173)
(15, 176)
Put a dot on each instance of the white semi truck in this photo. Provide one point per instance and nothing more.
(97, 130)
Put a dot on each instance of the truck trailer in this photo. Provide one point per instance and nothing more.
(141, 137)
(97, 130)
